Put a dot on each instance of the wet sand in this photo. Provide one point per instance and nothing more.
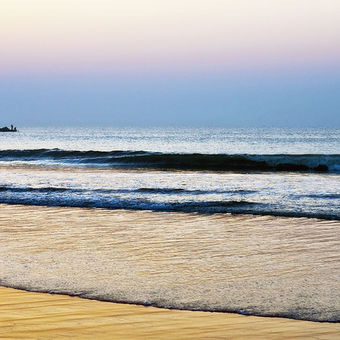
(27, 315)
(263, 265)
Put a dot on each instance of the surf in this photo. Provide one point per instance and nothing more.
(329, 163)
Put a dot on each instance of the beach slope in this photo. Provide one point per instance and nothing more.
(28, 315)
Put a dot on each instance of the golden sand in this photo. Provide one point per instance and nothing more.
(26, 315)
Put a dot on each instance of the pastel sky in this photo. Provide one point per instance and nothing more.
(211, 62)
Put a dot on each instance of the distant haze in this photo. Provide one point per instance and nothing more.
(179, 63)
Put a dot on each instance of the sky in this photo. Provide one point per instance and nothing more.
(170, 63)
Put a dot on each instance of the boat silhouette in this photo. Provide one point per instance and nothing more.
(7, 129)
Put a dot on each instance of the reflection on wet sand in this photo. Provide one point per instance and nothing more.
(26, 315)
(255, 265)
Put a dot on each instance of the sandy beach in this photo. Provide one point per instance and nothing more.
(27, 315)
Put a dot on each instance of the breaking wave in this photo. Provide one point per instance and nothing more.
(144, 199)
(206, 207)
(178, 161)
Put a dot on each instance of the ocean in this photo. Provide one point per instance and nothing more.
(281, 172)
(241, 220)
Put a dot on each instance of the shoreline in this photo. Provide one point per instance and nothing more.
(260, 266)
(30, 315)
(150, 305)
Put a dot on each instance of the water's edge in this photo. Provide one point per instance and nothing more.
(155, 305)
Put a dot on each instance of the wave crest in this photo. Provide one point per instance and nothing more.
(179, 161)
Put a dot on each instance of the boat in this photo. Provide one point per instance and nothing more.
(7, 129)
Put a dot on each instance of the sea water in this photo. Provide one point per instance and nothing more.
(240, 220)
(283, 172)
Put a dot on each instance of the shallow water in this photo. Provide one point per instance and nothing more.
(282, 194)
(248, 264)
